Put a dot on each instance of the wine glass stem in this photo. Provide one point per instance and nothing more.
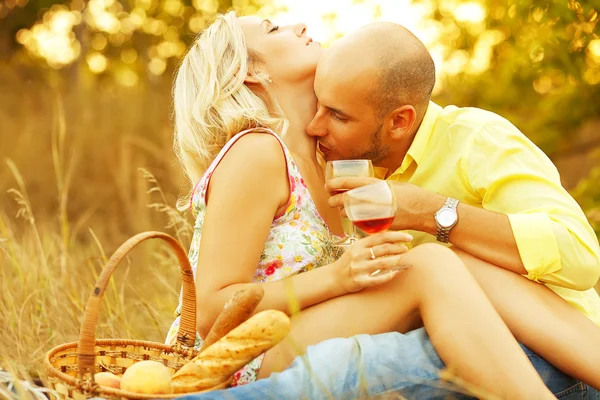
(349, 228)
(354, 236)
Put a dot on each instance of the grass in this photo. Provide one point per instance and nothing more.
(80, 172)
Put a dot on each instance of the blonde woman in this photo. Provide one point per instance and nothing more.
(243, 98)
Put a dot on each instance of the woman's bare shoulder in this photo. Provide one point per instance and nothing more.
(254, 159)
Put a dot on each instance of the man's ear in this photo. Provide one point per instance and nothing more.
(401, 121)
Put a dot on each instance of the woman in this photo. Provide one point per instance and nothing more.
(263, 217)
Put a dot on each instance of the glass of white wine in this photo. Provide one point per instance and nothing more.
(348, 168)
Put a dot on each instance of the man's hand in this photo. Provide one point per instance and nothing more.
(337, 186)
(415, 206)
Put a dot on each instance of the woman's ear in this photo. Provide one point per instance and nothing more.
(255, 71)
(251, 79)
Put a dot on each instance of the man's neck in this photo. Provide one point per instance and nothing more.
(394, 160)
(396, 157)
(299, 106)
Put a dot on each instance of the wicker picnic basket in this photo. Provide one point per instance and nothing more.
(71, 366)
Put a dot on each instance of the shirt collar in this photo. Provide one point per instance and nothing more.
(417, 148)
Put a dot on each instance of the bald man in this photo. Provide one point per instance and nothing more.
(462, 176)
(374, 89)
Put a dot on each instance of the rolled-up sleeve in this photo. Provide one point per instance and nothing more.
(512, 176)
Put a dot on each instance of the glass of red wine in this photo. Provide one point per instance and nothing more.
(371, 208)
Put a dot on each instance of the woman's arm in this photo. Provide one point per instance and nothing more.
(246, 191)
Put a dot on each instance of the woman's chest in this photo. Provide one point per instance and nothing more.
(297, 245)
(315, 185)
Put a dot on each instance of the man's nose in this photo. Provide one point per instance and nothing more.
(315, 127)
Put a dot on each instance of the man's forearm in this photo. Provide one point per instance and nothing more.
(485, 234)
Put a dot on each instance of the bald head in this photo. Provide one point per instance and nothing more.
(398, 63)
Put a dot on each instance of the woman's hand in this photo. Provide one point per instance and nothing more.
(372, 261)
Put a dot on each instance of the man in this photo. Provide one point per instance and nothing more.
(461, 176)
(511, 211)
(464, 176)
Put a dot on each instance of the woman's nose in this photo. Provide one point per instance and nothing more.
(300, 29)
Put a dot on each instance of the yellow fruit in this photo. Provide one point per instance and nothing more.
(108, 379)
(148, 377)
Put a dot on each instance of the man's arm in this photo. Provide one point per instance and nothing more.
(528, 222)
(485, 234)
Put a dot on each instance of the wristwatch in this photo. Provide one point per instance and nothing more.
(445, 219)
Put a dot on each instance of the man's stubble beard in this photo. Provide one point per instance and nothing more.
(376, 152)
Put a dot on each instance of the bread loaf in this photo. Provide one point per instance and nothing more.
(237, 310)
(219, 362)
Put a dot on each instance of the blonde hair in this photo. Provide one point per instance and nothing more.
(211, 101)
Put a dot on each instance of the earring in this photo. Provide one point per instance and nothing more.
(269, 80)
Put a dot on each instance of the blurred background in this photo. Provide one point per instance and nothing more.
(85, 132)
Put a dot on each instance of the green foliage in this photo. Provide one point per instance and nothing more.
(541, 75)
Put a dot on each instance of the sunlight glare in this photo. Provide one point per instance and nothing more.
(53, 38)
(469, 12)
(348, 15)
(594, 51)
(97, 62)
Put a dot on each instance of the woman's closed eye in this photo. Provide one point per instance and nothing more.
(274, 28)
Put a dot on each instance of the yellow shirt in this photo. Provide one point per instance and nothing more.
(483, 160)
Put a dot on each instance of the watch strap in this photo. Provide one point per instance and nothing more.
(443, 233)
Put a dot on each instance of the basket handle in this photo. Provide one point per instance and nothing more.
(187, 328)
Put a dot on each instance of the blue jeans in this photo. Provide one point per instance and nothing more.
(366, 366)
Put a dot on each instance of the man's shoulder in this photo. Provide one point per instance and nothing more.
(470, 116)
(476, 125)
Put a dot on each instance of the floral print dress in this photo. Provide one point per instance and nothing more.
(298, 241)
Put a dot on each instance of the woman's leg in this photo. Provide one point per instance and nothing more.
(541, 320)
(467, 332)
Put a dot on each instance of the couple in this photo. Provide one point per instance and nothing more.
(245, 96)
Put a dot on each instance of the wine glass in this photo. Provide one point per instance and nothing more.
(371, 208)
(345, 168)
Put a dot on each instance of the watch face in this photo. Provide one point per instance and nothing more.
(446, 218)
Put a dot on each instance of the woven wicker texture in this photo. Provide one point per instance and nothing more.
(71, 366)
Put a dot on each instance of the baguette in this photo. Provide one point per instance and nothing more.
(237, 310)
(219, 362)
